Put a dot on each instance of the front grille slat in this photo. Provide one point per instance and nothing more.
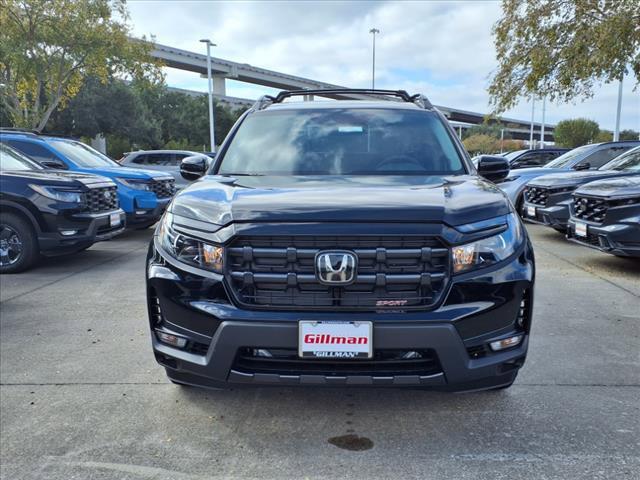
(384, 362)
(101, 199)
(393, 273)
(536, 195)
(589, 208)
(163, 188)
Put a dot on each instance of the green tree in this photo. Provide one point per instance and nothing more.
(49, 47)
(575, 132)
(629, 135)
(562, 48)
(476, 144)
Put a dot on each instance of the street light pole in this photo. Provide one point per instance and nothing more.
(544, 101)
(212, 137)
(616, 133)
(373, 31)
(533, 106)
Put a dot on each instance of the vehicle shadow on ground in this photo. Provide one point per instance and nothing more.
(590, 258)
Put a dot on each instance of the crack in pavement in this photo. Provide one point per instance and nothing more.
(72, 274)
(579, 267)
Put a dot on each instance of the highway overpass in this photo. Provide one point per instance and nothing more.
(243, 72)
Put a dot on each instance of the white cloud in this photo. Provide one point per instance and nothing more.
(443, 49)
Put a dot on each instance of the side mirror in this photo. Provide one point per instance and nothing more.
(582, 166)
(493, 167)
(192, 168)
(55, 164)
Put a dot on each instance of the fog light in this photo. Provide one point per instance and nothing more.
(505, 343)
(171, 339)
(68, 233)
(140, 212)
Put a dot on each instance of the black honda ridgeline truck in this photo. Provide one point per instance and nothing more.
(345, 242)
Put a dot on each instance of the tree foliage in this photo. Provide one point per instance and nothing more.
(562, 48)
(481, 143)
(491, 129)
(141, 115)
(49, 47)
(629, 135)
(575, 132)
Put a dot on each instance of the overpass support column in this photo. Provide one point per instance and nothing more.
(219, 85)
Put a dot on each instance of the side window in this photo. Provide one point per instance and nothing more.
(529, 160)
(140, 160)
(547, 157)
(33, 150)
(156, 159)
(176, 159)
(599, 158)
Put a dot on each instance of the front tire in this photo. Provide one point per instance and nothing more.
(18, 244)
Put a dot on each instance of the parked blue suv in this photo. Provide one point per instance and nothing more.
(143, 194)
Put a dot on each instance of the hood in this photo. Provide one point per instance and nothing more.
(452, 200)
(534, 172)
(572, 178)
(619, 187)
(59, 178)
(126, 172)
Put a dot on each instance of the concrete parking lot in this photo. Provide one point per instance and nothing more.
(82, 397)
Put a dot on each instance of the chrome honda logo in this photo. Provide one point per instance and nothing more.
(336, 267)
(107, 195)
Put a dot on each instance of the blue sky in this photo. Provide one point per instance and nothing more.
(442, 49)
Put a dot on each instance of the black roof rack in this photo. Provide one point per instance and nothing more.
(418, 99)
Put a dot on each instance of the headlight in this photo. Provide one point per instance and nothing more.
(134, 183)
(187, 249)
(59, 194)
(489, 250)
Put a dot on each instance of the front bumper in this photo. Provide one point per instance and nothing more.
(555, 216)
(621, 238)
(89, 227)
(141, 217)
(479, 307)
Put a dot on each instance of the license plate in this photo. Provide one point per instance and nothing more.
(531, 212)
(114, 219)
(581, 229)
(342, 340)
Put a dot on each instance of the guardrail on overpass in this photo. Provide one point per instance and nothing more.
(243, 72)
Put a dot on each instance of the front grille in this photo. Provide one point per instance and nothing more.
(385, 362)
(101, 199)
(163, 188)
(536, 195)
(393, 273)
(592, 209)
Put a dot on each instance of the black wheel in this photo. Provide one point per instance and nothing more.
(18, 244)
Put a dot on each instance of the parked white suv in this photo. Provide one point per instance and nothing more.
(162, 160)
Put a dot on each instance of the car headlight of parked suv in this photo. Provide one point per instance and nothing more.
(134, 183)
(59, 194)
(490, 250)
(189, 250)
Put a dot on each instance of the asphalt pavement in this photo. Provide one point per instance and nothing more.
(81, 396)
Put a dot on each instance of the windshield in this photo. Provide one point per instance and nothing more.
(511, 155)
(82, 155)
(340, 141)
(13, 160)
(627, 161)
(566, 158)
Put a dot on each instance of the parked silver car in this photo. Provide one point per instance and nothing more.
(162, 160)
(587, 157)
